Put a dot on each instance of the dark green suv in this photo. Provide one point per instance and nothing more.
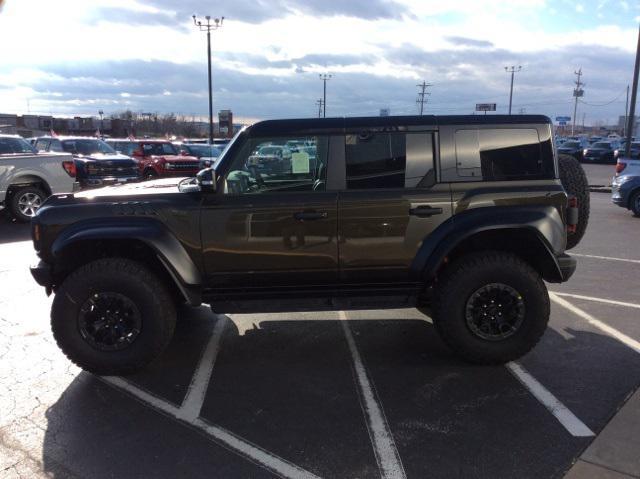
(464, 217)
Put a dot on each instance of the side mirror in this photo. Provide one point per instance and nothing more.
(206, 179)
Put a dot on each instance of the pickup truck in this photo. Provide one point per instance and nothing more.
(27, 178)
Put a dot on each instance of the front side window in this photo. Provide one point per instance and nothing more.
(42, 145)
(389, 160)
(266, 165)
(56, 146)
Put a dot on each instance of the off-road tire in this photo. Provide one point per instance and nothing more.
(117, 275)
(466, 276)
(575, 182)
(17, 195)
(150, 174)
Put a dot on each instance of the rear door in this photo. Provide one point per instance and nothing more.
(391, 202)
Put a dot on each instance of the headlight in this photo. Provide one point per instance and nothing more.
(92, 169)
(168, 166)
(584, 152)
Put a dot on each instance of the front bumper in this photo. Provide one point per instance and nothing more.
(567, 266)
(43, 274)
(96, 182)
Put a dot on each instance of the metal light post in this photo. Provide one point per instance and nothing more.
(101, 113)
(325, 77)
(208, 26)
(634, 98)
(513, 70)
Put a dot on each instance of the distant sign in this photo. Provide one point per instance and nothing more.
(485, 107)
(563, 118)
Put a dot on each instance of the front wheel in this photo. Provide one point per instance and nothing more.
(634, 203)
(491, 307)
(112, 316)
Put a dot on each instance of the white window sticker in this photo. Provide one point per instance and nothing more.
(300, 162)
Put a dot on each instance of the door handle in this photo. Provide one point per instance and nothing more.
(424, 211)
(310, 215)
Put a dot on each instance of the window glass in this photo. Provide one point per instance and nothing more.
(266, 165)
(159, 149)
(55, 145)
(503, 154)
(42, 145)
(86, 147)
(15, 145)
(389, 160)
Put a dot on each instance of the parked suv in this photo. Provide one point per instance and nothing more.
(625, 186)
(464, 217)
(601, 152)
(157, 158)
(97, 164)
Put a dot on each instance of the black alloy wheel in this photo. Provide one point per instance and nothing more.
(495, 312)
(109, 321)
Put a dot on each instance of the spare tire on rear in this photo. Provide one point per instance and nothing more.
(574, 180)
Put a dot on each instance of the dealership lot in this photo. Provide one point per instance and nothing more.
(345, 394)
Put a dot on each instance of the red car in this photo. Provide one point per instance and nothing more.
(157, 158)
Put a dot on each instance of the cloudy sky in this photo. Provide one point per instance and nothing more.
(78, 56)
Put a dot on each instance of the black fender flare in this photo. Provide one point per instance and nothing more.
(542, 221)
(149, 231)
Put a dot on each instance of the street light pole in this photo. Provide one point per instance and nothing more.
(634, 97)
(101, 113)
(208, 26)
(325, 77)
(513, 70)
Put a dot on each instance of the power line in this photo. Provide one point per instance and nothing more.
(607, 103)
(422, 94)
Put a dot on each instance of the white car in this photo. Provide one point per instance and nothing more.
(27, 177)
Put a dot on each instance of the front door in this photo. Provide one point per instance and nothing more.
(391, 203)
(275, 224)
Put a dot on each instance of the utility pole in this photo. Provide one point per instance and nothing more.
(626, 114)
(208, 26)
(325, 77)
(634, 97)
(513, 70)
(422, 95)
(578, 92)
(320, 102)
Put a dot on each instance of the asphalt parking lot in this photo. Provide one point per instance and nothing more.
(356, 394)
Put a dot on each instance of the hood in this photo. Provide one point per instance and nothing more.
(117, 157)
(175, 158)
(153, 187)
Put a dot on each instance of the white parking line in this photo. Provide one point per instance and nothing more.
(623, 338)
(598, 300)
(570, 422)
(253, 453)
(636, 261)
(192, 404)
(384, 446)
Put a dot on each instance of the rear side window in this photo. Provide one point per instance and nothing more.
(389, 160)
(503, 154)
(42, 145)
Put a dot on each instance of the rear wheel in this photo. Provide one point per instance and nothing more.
(150, 174)
(25, 202)
(491, 307)
(575, 182)
(112, 316)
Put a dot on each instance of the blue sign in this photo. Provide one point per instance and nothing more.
(563, 118)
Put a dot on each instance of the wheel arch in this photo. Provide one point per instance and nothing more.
(536, 234)
(28, 180)
(148, 242)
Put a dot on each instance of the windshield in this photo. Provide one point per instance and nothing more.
(203, 150)
(159, 149)
(86, 147)
(571, 144)
(606, 146)
(228, 147)
(15, 145)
